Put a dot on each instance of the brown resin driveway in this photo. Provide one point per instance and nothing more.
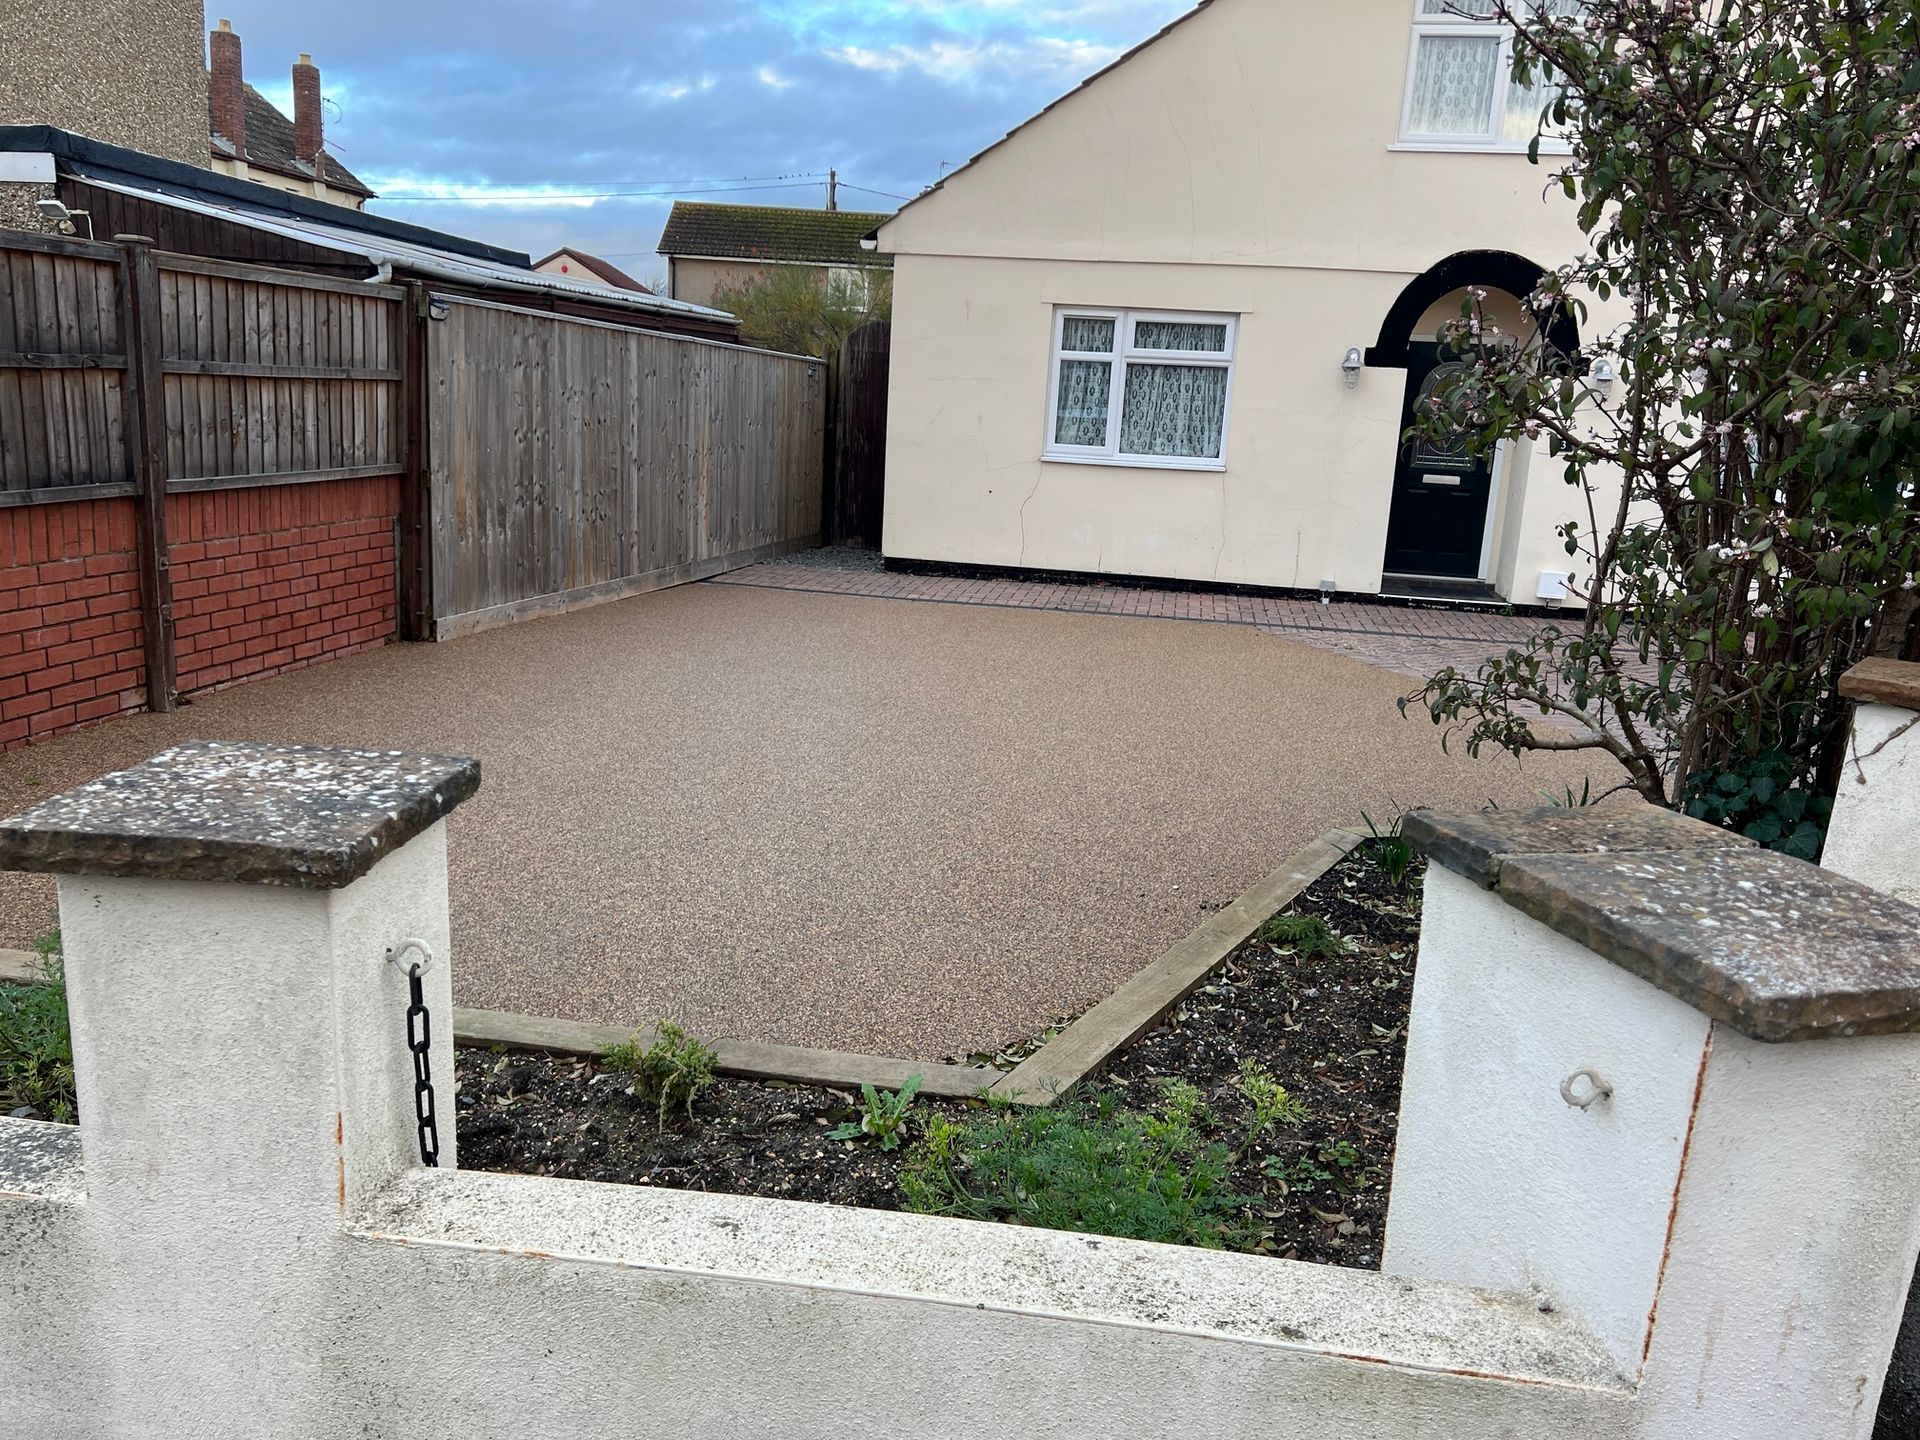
(833, 820)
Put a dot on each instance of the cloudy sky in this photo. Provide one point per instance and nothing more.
(579, 121)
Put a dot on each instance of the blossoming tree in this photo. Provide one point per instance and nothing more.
(1748, 172)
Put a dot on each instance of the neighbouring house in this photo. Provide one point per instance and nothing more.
(1175, 325)
(710, 248)
(588, 270)
(252, 140)
(193, 211)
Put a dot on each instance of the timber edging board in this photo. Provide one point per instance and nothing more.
(744, 1059)
(1072, 1055)
(18, 966)
(1116, 1022)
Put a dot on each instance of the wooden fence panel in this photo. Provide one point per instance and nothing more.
(274, 377)
(860, 433)
(573, 461)
(63, 371)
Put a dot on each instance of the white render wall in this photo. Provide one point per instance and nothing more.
(1736, 1222)
(238, 1241)
(1566, 1202)
(1876, 815)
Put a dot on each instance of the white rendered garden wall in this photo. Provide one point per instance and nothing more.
(239, 1239)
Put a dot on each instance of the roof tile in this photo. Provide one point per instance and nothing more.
(768, 232)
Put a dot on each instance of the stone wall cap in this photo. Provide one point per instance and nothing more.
(1884, 682)
(1775, 947)
(296, 815)
(1476, 844)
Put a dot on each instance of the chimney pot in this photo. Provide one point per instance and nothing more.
(226, 90)
(308, 134)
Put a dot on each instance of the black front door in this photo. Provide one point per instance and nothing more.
(1440, 492)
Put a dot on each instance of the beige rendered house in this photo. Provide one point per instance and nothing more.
(1174, 325)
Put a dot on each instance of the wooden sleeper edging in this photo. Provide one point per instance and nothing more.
(1116, 1022)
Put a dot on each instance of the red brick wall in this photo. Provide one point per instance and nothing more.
(273, 578)
(264, 580)
(70, 641)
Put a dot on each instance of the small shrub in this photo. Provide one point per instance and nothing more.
(1761, 801)
(1087, 1164)
(36, 1045)
(1390, 850)
(1305, 935)
(669, 1073)
(1269, 1106)
(883, 1115)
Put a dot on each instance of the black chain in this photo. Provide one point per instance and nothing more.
(420, 1042)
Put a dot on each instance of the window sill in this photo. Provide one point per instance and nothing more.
(1444, 147)
(1136, 462)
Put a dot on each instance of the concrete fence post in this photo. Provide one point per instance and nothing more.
(1662, 1079)
(239, 1036)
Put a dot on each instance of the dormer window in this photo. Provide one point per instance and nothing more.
(1461, 94)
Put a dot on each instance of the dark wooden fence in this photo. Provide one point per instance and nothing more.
(573, 461)
(272, 377)
(860, 430)
(64, 424)
(126, 373)
(295, 466)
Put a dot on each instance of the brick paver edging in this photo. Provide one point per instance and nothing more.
(1270, 612)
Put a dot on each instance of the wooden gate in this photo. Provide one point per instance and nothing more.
(573, 461)
(860, 454)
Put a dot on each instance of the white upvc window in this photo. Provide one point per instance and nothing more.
(1150, 388)
(1461, 94)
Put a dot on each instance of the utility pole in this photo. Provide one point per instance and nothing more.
(833, 190)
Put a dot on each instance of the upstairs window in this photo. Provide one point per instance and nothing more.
(1461, 93)
(1140, 387)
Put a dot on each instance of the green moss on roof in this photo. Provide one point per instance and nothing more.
(770, 232)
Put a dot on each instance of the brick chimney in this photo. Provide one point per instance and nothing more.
(225, 89)
(307, 137)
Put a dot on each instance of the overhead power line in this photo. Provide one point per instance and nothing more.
(869, 190)
(639, 190)
(617, 189)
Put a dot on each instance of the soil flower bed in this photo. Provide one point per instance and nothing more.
(1184, 1136)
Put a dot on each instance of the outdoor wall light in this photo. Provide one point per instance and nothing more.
(1601, 377)
(62, 217)
(1350, 366)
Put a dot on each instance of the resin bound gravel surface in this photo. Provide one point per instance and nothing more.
(826, 820)
(1332, 1029)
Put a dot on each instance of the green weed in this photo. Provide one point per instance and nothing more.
(36, 1044)
(1086, 1164)
(669, 1073)
(883, 1115)
(1306, 935)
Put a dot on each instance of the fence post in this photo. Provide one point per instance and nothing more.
(415, 556)
(149, 416)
